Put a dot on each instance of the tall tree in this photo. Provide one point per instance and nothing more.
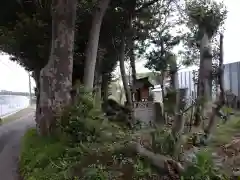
(92, 46)
(221, 98)
(56, 76)
(206, 16)
(126, 86)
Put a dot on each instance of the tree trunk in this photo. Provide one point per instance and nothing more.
(37, 98)
(204, 78)
(97, 89)
(104, 87)
(206, 69)
(123, 72)
(162, 83)
(159, 161)
(132, 62)
(56, 76)
(36, 76)
(221, 99)
(174, 75)
(98, 94)
(124, 78)
(92, 46)
(98, 81)
(132, 16)
(179, 121)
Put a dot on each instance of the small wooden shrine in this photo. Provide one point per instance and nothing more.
(140, 90)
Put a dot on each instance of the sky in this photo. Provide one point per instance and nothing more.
(13, 77)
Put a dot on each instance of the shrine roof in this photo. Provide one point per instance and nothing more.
(142, 82)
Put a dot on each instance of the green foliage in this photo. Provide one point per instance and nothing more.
(27, 34)
(89, 147)
(208, 15)
(163, 142)
(51, 158)
(18, 37)
(56, 159)
(26, 31)
(226, 131)
(143, 169)
(203, 16)
(39, 157)
(160, 59)
(161, 38)
(95, 172)
(227, 110)
(83, 122)
(84, 134)
(203, 168)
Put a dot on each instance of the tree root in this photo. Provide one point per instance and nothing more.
(161, 162)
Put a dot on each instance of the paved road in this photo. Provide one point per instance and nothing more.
(10, 137)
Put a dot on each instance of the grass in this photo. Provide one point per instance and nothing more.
(17, 115)
(44, 158)
(225, 132)
(39, 157)
(88, 148)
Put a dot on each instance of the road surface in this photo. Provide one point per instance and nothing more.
(10, 137)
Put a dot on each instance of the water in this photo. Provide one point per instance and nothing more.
(11, 103)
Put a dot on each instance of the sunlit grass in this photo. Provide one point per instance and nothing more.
(225, 132)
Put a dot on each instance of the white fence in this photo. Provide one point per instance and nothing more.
(11, 103)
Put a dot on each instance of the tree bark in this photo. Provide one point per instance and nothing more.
(124, 78)
(98, 93)
(174, 75)
(92, 46)
(204, 78)
(132, 62)
(36, 76)
(98, 82)
(132, 16)
(179, 121)
(221, 99)
(56, 76)
(104, 87)
(159, 161)
(123, 72)
(162, 84)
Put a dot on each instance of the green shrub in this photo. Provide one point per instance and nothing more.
(39, 157)
(163, 142)
(83, 122)
(97, 172)
(203, 168)
(97, 150)
(90, 135)
(50, 158)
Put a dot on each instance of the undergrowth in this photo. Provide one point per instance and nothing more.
(226, 131)
(90, 147)
(51, 158)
